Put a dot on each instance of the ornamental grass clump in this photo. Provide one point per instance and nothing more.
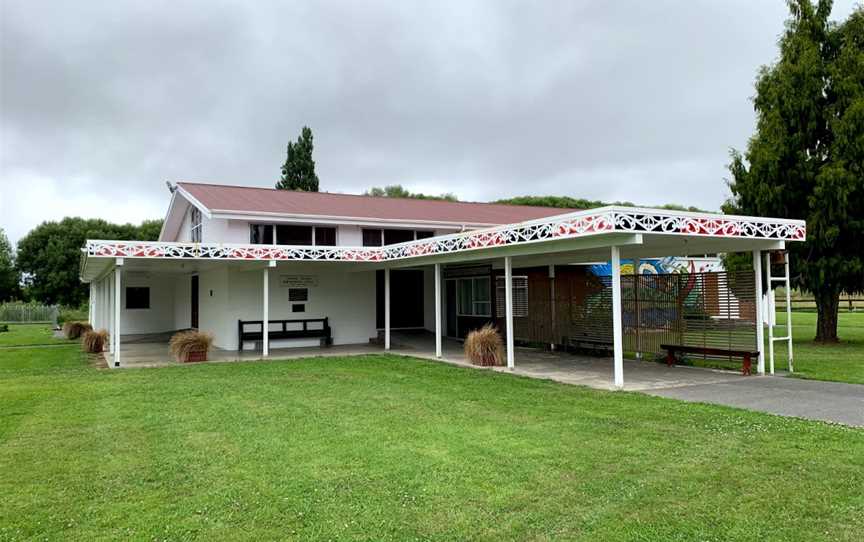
(484, 346)
(94, 342)
(187, 346)
(74, 330)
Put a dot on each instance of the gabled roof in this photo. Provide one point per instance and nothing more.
(223, 199)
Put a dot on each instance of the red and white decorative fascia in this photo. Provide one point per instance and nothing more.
(567, 226)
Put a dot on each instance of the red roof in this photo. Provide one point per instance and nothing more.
(244, 199)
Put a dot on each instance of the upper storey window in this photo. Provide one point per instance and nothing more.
(290, 234)
(376, 237)
(195, 225)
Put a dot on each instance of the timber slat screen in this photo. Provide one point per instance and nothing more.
(714, 309)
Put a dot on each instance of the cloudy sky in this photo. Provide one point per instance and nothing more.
(102, 102)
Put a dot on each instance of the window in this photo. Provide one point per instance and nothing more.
(299, 307)
(474, 298)
(371, 238)
(261, 234)
(391, 237)
(137, 297)
(293, 235)
(325, 237)
(520, 297)
(195, 225)
(298, 294)
(425, 234)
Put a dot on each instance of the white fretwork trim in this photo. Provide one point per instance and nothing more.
(566, 226)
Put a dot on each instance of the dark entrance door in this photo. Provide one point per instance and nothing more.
(406, 298)
(452, 318)
(194, 302)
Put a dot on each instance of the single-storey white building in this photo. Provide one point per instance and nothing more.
(229, 258)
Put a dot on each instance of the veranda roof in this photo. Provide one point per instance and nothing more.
(582, 236)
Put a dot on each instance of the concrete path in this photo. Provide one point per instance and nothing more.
(826, 401)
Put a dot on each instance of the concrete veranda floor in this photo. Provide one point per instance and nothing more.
(826, 401)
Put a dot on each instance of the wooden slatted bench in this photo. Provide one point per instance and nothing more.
(256, 333)
(746, 355)
(594, 345)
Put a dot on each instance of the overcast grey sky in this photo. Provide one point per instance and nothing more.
(102, 102)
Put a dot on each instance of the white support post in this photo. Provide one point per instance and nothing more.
(265, 321)
(788, 310)
(387, 309)
(109, 286)
(118, 295)
(508, 310)
(617, 328)
(91, 304)
(437, 310)
(770, 314)
(760, 337)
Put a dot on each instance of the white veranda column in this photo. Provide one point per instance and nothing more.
(508, 309)
(118, 295)
(760, 339)
(387, 309)
(788, 309)
(770, 312)
(438, 310)
(265, 319)
(109, 286)
(617, 328)
(91, 304)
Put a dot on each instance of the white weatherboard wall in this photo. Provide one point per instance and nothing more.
(160, 316)
(214, 314)
(347, 299)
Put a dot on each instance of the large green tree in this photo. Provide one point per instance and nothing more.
(49, 255)
(566, 202)
(9, 276)
(398, 191)
(806, 159)
(298, 171)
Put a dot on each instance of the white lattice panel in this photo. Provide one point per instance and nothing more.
(572, 225)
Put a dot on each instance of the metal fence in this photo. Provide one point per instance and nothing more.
(695, 309)
(28, 313)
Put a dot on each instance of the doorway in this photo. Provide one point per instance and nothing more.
(194, 312)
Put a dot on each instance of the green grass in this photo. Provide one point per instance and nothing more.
(390, 448)
(29, 334)
(843, 362)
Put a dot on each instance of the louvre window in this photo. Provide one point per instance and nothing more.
(371, 238)
(391, 237)
(293, 235)
(195, 225)
(137, 297)
(325, 237)
(520, 297)
(261, 234)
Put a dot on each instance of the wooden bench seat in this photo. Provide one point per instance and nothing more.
(747, 356)
(585, 343)
(256, 333)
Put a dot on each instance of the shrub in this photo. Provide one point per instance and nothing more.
(71, 314)
(484, 346)
(74, 330)
(191, 345)
(94, 341)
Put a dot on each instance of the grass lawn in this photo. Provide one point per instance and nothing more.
(29, 334)
(842, 362)
(389, 448)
